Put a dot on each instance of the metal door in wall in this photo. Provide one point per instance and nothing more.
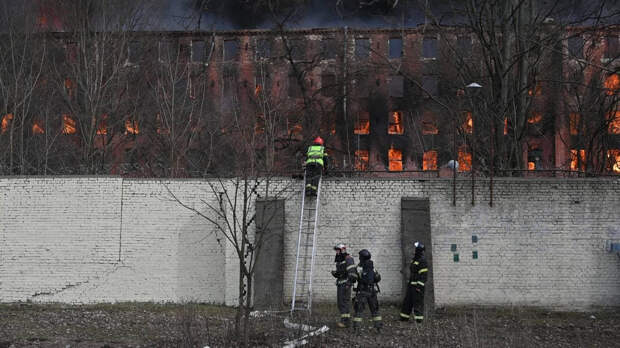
(415, 225)
(269, 274)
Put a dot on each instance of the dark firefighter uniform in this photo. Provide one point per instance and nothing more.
(366, 291)
(415, 290)
(316, 159)
(345, 275)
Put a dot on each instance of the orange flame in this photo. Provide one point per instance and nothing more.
(361, 160)
(613, 157)
(362, 126)
(68, 125)
(577, 162)
(468, 125)
(612, 84)
(429, 160)
(614, 122)
(464, 159)
(535, 117)
(6, 121)
(395, 125)
(37, 128)
(102, 128)
(257, 90)
(396, 160)
(131, 127)
(505, 125)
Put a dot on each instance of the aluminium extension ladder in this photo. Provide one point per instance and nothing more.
(306, 250)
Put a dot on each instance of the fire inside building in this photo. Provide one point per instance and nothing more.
(408, 101)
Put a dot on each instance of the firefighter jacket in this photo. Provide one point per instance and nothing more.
(345, 272)
(316, 154)
(366, 274)
(418, 273)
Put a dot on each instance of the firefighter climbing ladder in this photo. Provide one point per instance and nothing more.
(306, 246)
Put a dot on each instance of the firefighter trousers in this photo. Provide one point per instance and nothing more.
(414, 299)
(361, 298)
(313, 173)
(344, 302)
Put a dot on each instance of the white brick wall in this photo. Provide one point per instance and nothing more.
(541, 244)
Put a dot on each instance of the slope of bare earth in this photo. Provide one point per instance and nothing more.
(199, 325)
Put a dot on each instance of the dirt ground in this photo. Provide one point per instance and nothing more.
(200, 325)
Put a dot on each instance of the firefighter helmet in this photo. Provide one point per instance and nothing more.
(364, 255)
(418, 246)
(318, 141)
(341, 247)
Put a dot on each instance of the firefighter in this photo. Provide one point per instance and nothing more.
(345, 275)
(415, 290)
(316, 161)
(366, 291)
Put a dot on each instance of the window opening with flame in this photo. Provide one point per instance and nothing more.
(68, 125)
(505, 125)
(429, 160)
(534, 158)
(362, 124)
(361, 160)
(464, 159)
(577, 160)
(6, 122)
(131, 127)
(536, 91)
(102, 125)
(574, 119)
(534, 118)
(614, 122)
(612, 84)
(70, 87)
(468, 125)
(395, 157)
(259, 125)
(37, 127)
(613, 160)
(395, 124)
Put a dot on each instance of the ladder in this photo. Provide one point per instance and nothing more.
(306, 250)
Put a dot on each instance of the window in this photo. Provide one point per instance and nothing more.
(71, 51)
(575, 47)
(395, 157)
(463, 45)
(505, 125)
(293, 128)
(134, 52)
(263, 49)
(429, 47)
(534, 157)
(577, 160)
(534, 118)
(198, 51)
(574, 126)
(468, 124)
(614, 122)
(362, 124)
(429, 123)
(329, 87)
(361, 160)
(537, 90)
(259, 125)
(612, 84)
(6, 122)
(37, 127)
(167, 51)
(297, 47)
(430, 85)
(70, 87)
(395, 123)
(429, 160)
(395, 47)
(68, 125)
(131, 127)
(294, 89)
(231, 50)
(362, 48)
(464, 159)
(612, 50)
(102, 125)
(395, 86)
(613, 160)
(262, 83)
(329, 48)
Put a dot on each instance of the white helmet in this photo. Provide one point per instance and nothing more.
(340, 246)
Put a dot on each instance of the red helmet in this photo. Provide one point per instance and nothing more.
(318, 141)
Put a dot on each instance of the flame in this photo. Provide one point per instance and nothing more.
(361, 160)
(68, 125)
(102, 128)
(535, 117)
(295, 129)
(536, 91)
(37, 128)
(131, 127)
(429, 160)
(505, 125)
(395, 125)
(614, 122)
(574, 119)
(257, 90)
(468, 126)
(6, 121)
(69, 87)
(464, 159)
(613, 157)
(577, 162)
(396, 160)
(362, 126)
(259, 126)
(612, 84)
(531, 166)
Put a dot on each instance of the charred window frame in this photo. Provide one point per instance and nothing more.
(362, 48)
(263, 49)
(329, 48)
(429, 123)
(396, 86)
(574, 123)
(612, 47)
(294, 89)
(613, 120)
(362, 123)
(230, 50)
(71, 51)
(168, 51)
(297, 48)
(429, 47)
(464, 46)
(430, 86)
(575, 47)
(534, 158)
(395, 47)
(329, 85)
(199, 52)
(134, 52)
(362, 160)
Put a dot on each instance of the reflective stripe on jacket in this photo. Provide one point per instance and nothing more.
(315, 154)
(419, 272)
